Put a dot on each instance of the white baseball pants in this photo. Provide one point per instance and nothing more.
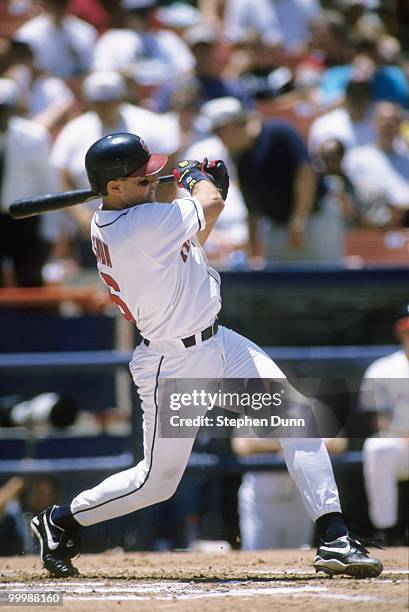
(385, 462)
(156, 477)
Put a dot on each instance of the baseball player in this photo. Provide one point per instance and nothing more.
(151, 258)
(385, 393)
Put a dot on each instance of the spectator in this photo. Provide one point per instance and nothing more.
(329, 40)
(153, 56)
(203, 42)
(388, 82)
(331, 158)
(104, 93)
(351, 123)
(44, 98)
(24, 171)
(360, 15)
(285, 23)
(185, 106)
(278, 182)
(380, 171)
(259, 73)
(62, 44)
(385, 393)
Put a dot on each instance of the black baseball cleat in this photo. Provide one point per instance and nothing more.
(57, 545)
(347, 555)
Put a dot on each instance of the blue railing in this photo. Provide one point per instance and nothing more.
(86, 362)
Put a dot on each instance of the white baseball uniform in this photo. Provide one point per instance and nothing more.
(159, 277)
(385, 390)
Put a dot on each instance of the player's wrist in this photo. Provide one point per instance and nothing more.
(188, 173)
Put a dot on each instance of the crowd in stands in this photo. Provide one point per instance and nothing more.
(306, 100)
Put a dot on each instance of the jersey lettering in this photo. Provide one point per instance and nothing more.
(184, 252)
(101, 252)
(113, 286)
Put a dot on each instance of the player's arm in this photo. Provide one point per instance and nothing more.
(212, 203)
(196, 178)
(304, 196)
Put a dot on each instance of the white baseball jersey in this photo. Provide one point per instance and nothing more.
(385, 389)
(155, 269)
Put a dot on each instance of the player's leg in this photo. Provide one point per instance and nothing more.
(385, 462)
(157, 476)
(307, 459)
(309, 465)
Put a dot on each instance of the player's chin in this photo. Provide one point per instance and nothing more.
(151, 195)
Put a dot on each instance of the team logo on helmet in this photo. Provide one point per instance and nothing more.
(144, 145)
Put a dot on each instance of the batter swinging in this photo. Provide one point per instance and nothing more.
(150, 256)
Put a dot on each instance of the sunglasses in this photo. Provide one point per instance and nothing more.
(143, 182)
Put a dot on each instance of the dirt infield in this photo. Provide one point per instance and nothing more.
(193, 582)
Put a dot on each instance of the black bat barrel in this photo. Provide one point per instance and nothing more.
(28, 207)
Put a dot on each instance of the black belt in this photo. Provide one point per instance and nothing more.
(191, 340)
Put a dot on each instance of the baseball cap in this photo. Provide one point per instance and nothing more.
(201, 33)
(179, 15)
(103, 86)
(402, 323)
(220, 111)
(9, 92)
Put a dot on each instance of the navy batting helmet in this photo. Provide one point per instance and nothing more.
(120, 155)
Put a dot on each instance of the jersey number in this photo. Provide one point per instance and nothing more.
(113, 285)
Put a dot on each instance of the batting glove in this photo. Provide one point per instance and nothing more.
(188, 173)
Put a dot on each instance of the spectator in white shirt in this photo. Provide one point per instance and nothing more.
(352, 123)
(104, 92)
(62, 44)
(383, 167)
(153, 56)
(24, 171)
(283, 22)
(44, 98)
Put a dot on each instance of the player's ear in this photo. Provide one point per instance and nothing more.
(114, 187)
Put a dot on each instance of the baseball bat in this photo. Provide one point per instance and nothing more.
(29, 207)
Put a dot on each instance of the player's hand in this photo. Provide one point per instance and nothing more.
(188, 173)
(217, 170)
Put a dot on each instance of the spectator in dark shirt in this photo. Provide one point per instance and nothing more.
(278, 183)
(203, 42)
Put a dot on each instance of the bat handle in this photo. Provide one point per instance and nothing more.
(167, 178)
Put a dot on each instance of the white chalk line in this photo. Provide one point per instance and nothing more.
(300, 572)
(101, 591)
